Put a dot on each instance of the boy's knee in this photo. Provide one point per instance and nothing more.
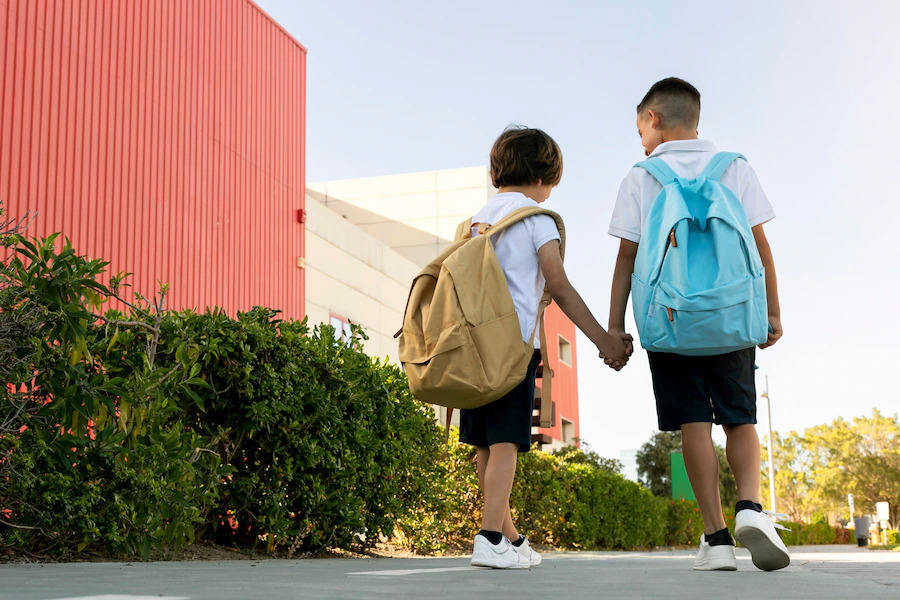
(504, 448)
(738, 428)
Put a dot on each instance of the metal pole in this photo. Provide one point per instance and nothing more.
(771, 451)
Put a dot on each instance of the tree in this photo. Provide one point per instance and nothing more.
(585, 455)
(861, 457)
(795, 494)
(654, 470)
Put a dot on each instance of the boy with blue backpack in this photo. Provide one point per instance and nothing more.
(696, 262)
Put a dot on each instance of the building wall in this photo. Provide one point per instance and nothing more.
(561, 331)
(353, 276)
(166, 137)
(416, 214)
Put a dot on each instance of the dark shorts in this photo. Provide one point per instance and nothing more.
(507, 419)
(717, 389)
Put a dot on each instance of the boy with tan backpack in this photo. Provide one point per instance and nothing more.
(468, 337)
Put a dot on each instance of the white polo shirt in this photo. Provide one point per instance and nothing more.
(517, 250)
(687, 158)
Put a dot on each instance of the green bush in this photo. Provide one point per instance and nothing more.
(802, 534)
(86, 458)
(327, 446)
(448, 513)
(144, 429)
(685, 525)
(568, 500)
(148, 429)
(842, 535)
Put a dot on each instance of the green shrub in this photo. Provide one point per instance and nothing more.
(327, 445)
(842, 535)
(685, 525)
(567, 500)
(802, 534)
(448, 513)
(149, 429)
(86, 460)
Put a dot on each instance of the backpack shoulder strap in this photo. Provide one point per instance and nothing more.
(529, 211)
(463, 230)
(546, 411)
(658, 168)
(721, 161)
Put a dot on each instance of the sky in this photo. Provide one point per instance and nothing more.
(809, 92)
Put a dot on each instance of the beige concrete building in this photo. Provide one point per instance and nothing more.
(367, 239)
(415, 214)
(353, 277)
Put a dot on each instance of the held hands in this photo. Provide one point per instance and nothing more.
(616, 348)
(775, 332)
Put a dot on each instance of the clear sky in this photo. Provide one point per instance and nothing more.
(808, 91)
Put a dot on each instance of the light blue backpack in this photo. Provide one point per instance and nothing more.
(699, 285)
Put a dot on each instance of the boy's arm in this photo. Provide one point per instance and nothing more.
(612, 348)
(765, 253)
(621, 285)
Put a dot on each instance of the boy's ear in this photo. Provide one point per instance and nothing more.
(655, 119)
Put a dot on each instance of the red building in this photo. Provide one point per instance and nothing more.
(165, 136)
(561, 353)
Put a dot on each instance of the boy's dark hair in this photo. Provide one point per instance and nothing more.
(522, 156)
(676, 101)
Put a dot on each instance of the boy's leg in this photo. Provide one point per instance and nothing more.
(742, 450)
(482, 457)
(702, 466)
(499, 473)
(751, 527)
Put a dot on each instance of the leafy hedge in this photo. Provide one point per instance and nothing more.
(150, 429)
(137, 429)
(808, 533)
(566, 500)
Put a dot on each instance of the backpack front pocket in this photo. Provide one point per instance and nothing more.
(723, 319)
(442, 369)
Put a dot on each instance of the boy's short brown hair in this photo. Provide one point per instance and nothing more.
(676, 100)
(523, 156)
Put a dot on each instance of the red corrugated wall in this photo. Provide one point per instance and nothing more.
(565, 377)
(166, 136)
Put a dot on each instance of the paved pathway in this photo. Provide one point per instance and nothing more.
(820, 573)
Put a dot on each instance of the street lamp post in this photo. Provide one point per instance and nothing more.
(771, 449)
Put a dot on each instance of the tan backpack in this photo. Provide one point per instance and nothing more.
(461, 344)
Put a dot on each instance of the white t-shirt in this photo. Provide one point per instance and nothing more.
(517, 250)
(687, 158)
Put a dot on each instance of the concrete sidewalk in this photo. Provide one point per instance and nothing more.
(818, 572)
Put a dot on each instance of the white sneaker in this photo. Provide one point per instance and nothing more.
(499, 556)
(756, 532)
(714, 558)
(527, 553)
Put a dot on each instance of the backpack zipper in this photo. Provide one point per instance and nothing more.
(672, 241)
(671, 314)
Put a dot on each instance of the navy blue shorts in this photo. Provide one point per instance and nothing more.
(717, 389)
(507, 419)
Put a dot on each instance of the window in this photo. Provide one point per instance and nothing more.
(568, 432)
(342, 330)
(565, 351)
